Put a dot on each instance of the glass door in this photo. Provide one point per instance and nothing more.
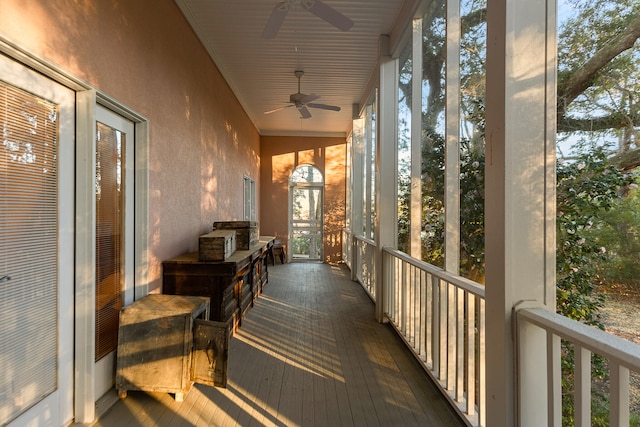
(306, 214)
(36, 248)
(114, 242)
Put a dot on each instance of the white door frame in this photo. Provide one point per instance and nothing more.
(105, 367)
(90, 379)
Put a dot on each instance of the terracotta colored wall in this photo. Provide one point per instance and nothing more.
(143, 54)
(279, 157)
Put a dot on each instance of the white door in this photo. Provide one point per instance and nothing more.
(306, 214)
(114, 220)
(36, 248)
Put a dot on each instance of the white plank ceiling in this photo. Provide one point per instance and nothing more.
(337, 64)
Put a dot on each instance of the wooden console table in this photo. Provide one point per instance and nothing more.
(231, 285)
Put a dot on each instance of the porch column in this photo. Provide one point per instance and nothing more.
(520, 203)
(386, 226)
(357, 188)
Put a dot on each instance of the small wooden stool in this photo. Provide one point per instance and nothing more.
(279, 250)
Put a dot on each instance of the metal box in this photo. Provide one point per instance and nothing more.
(166, 345)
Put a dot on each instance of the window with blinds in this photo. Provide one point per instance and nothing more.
(109, 227)
(28, 251)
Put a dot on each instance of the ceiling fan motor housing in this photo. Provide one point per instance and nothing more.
(295, 98)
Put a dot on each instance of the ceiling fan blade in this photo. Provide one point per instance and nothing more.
(304, 113)
(324, 107)
(275, 20)
(329, 14)
(277, 109)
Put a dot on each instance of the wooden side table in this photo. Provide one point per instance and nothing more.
(165, 345)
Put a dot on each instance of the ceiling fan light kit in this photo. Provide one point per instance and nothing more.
(317, 7)
(303, 102)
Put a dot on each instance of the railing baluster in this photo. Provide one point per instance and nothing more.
(619, 395)
(554, 380)
(460, 353)
(582, 386)
(482, 375)
(403, 300)
(471, 354)
(436, 341)
(444, 335)
(411, 305)
(424, 320)
(452, 338)
(430, 322)
(396, 295)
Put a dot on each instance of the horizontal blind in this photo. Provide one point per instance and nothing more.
(28, 251)
(109, 145)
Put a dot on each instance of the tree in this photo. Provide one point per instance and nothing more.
(598, 68)
(598, 71)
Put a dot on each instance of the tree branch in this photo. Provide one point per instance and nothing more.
(627, 160)
(613, 121)
(583, 78)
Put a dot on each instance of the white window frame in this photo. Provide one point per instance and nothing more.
(249, 190)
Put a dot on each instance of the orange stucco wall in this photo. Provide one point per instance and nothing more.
(279, 157)
(143, 54)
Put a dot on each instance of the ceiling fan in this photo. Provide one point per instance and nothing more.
(318, 8)
(303, 101)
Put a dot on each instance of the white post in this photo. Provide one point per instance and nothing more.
(416, 142)
(452, 147)
(357, 196)
(85, 305)
(520, 201)
(386, 165)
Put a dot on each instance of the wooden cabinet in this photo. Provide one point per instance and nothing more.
(231, 285)
(166, 344)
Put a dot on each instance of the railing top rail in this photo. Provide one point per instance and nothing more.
(595, 340)
(365, 240)
(459, 281)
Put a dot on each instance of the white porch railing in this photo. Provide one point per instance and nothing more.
(346, 248)
(623, 356)
(364, 262)
(441, 318)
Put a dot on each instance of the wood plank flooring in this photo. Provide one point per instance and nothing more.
(309, 353)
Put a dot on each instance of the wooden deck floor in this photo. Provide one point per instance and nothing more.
(309, 353)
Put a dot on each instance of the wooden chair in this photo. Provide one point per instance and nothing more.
(279, 250)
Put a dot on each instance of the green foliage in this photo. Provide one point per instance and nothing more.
(472, 212)
(471, 206)
(621, 235)
(433, 198)
(586, 189)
